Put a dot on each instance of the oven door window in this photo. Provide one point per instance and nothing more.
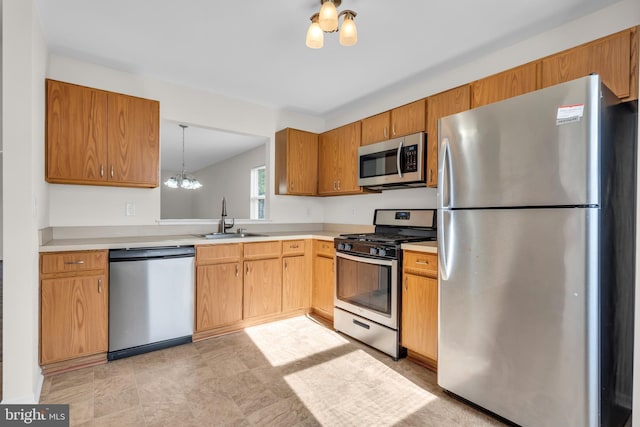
(364, 285)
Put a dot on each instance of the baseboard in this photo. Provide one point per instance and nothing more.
(32, 399)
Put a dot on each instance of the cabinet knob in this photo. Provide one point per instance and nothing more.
(79, 262)
(111, 171)
(406, 283)
(385, 133)
(292, 185)
(237, 272)
(247, 270)
(286, 265)
(338, 185)
(99, 286)
(425, 262)
(430, 175)
(393, 129)
(101, 171)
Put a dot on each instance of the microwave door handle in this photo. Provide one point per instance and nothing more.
(398, 155)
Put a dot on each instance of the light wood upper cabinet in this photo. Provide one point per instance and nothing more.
(400, 121)
(134, 140)
(438, 106)
(507, 84)
(614, 58)
(296, 169)
(338, 160)
(96, 137)
(408, 119)
(76, 133)
(376, 128)
(218, 295)
(74, 305)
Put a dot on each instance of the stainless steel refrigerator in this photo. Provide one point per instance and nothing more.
(536, 200)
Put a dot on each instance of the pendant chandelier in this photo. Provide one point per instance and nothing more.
(182, 179)
(326, 21)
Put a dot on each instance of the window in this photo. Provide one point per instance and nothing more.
(257, 192)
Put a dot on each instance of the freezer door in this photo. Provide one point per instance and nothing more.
(538, 149)
(518, 325)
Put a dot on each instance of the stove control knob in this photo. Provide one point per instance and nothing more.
(373, 251)
(382, 252)
(340, 246)
(347, 247)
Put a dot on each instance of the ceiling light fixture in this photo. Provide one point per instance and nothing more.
(182, 179)
(326, 21)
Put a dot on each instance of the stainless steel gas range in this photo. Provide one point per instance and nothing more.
(368, 276)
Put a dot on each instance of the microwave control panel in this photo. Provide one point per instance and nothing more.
(410, 155)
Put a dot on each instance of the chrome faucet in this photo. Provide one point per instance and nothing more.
(222, 226)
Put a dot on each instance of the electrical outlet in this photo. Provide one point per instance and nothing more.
(130, 209)
(353, 212)
(308, 212)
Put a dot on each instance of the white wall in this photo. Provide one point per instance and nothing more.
(91, 205)
(23, 58)
(232, 179)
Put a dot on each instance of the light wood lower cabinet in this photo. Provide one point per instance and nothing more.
(74, 307)
(420, 306)
(243, 284)
(218, 295)
(323, 278)
(262, 287)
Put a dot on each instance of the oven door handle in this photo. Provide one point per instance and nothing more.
(387, 262)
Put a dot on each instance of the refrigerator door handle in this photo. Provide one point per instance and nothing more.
(444, 234)
(399, 163)
(445, 174)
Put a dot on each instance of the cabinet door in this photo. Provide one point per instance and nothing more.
(507, 84)
(133, 132)
(76, 148)
(218, 295)
(262, 287)
(408, 119)
(302, 163)
(323, 285)
(295, 289)
(420, 315)
(349, 141)
(74, 317)
(610, 57)
(376, 128)
(296, 161)
(441, 105)
(328, 154)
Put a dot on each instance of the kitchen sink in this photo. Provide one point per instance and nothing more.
(230, 235)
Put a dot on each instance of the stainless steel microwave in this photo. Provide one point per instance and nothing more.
(396, 163)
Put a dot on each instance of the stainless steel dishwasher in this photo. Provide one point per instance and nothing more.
(150, 299)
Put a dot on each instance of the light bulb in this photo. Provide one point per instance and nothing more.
(315, 36)
(328, 19)
(171, 182)
(348, 31)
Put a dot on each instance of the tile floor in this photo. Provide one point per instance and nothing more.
(294, 372)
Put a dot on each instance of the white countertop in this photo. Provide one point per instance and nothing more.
(430, 247)
(177, 240)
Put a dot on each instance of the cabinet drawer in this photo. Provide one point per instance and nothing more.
(421, 262)
(66, 262)
(323, 247)
(263, 249)
(214, 254)
(293, 247)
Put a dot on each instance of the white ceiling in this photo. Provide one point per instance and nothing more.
(254, 50)
(203, 147)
